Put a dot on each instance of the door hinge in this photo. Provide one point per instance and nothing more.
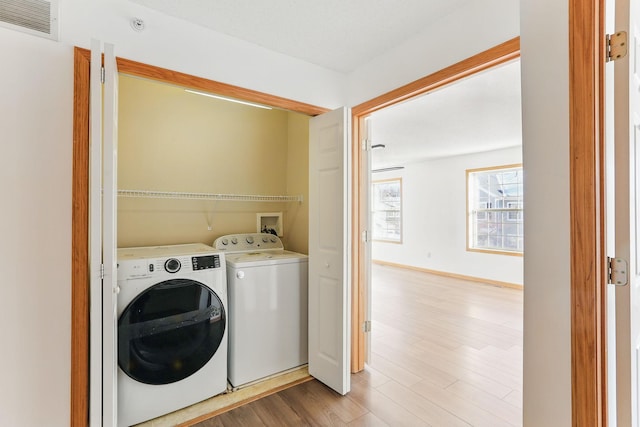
(102, 75)
(618, 271)
(616, 46)
(365, 236)
(366, 326)
(366, 145)
(101, 271)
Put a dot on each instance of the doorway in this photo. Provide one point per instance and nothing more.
(500, 54)
(436, 331)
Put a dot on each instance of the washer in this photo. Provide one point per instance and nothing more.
(172, 329)
(267, 306)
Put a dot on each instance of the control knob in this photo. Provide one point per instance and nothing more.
(172, 265)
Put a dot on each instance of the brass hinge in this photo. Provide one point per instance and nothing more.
(616, 46)
(618, 271)
(366, 326)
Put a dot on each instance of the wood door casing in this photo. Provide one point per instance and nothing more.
(80, 243)
(587, 187)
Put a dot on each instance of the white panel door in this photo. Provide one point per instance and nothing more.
(102, 237)
(610, 224)
(109, 242)
(329, 214)
(366, 204)
(95, 236)
(627, 214)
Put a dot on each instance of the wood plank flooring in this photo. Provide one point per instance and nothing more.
(446, 352)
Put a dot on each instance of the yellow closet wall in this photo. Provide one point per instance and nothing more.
(172, 140)
(296, 220)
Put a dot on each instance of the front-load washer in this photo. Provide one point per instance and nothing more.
(267, 306)
(172, 329)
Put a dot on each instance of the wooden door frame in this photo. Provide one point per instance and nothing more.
(80, 199)
(587, 204)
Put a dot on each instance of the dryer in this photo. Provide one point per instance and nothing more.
(268, 300)
(172, 329)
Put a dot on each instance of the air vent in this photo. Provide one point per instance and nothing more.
(37, 17)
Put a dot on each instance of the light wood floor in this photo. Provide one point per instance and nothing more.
(446, 352)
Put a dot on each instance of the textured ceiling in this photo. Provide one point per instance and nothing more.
(336, 34)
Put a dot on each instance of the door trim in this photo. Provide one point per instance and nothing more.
(587, 198)
(499, 54)
(79, 406)
(496, 55)
(80, 242)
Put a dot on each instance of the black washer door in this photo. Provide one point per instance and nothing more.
(170, 331)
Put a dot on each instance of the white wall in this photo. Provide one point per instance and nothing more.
(474, 27)
(547, 299)
(36, 102)
(177, 45)
(434, 219)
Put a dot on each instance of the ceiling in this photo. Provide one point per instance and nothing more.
(336, 34)
(477, 114)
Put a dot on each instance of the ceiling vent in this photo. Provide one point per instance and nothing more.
(37, 17)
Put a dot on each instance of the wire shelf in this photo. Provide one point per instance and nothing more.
(207, 196)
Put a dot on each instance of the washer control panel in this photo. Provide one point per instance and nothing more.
(137, 269)
(248, 242)
(168, 261)
(184, 263)
(205, 262)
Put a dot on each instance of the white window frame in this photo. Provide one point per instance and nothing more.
(375, 212)
(496, 213)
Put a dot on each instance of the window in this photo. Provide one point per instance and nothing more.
(495, 210)
(386, 207)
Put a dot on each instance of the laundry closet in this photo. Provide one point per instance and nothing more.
(171, 140)
(194, 168)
